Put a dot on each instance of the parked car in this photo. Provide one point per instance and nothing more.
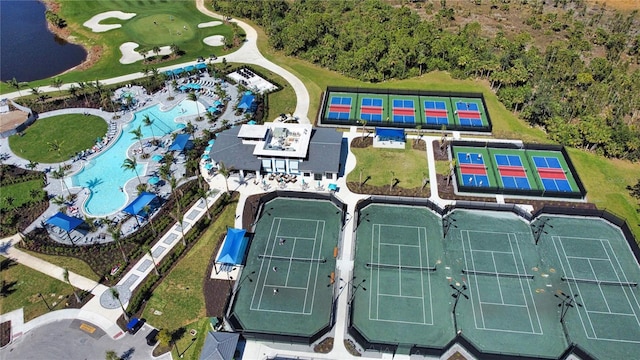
(152, 337)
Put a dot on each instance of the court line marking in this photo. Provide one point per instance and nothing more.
(624, 275)
(558, 239)
(533, 302)
(502, 304)
(264, 282)
(477, 287)
(377, 279)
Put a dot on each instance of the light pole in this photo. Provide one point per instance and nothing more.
(447, 223)
(538, 229)
(566, 302)
(45, 301)
(347, 218)
(457, 292)
(355, 290)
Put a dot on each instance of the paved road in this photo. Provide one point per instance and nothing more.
(248, 53)
(64, 340)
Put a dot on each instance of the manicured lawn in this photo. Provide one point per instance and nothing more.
(188, 350)
(66, 262)
(180, 295)
(408, 165)
(24, 284)
(170, 16)
(606, 182)
(72, 132)
(20, 193)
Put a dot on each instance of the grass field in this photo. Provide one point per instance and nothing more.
(25, 284)
(72, 132)
(180, 295)
(409, 166)
(20, 193)
(66, 262)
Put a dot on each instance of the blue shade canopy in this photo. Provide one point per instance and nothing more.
(246, 101)
(211, 142)
(208, 166)
(136, 206)
(178, 71)
(154, 180)
(180, 142)
(201, 66)
(217, 103)
(189, 68)
(182, 88)
(168, 72)
(157, 157)
(64, 221)
(233, 248)
(252, 122)
(206, 157)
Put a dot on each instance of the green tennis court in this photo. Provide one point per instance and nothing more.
(399, 297)
(515, 286)
(593, 262)
(285, 286)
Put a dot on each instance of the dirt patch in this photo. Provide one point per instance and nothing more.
(5, 333)
(362, 142)
(390, 191)
(457, 356)
(351, 347)
(618, 4)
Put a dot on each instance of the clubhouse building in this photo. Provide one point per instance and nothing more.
(278, 148)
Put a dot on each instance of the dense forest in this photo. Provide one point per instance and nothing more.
(581, 83)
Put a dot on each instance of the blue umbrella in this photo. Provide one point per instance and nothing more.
(157, 157)
(206, 157)
(252, 122)
(208, 166)
(208, 148)
(211, 142)
(181, 126)
(154, 180)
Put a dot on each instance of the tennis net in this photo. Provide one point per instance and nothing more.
(286, 258)
(399, 267)
(600, 282)
(497, 274)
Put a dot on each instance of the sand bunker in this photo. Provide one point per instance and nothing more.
(129, 55)
(215, 40)
(209, 24)
(94, 22)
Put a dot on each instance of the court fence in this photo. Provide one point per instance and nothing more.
(322, 120)
(461, 340)
(580, 194)
(603, 214)
(233, 320)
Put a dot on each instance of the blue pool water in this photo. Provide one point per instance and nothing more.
(104, 175)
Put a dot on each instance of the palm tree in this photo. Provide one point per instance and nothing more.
(137, 135)
(147, 121)
(73, 90)
(116, 295)
(65, 276)
(115, 232)
(131, 164)
(156, 50)
(178, 216)
(84, 87)
(147, 210)
(174, 49)
(204, 194)
(226, 172)
(59, 175)
(32, 165)
(16, 84)
(55, 145)
(147, 249)
(193, 97)
(56, 83)
(111, 355)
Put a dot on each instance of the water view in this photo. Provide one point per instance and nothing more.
(104, 176)
(27, 44)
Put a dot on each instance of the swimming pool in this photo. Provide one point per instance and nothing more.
(104, 175)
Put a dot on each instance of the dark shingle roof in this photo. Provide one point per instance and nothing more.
(230, 150)
(324, 151)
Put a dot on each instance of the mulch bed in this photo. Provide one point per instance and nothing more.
(5, 333)
(216, 292)
(325, 346)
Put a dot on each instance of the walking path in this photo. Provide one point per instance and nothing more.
(248, 53)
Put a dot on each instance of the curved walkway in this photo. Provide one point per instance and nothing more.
(248, 53)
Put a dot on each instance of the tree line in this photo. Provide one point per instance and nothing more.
(580, 99)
